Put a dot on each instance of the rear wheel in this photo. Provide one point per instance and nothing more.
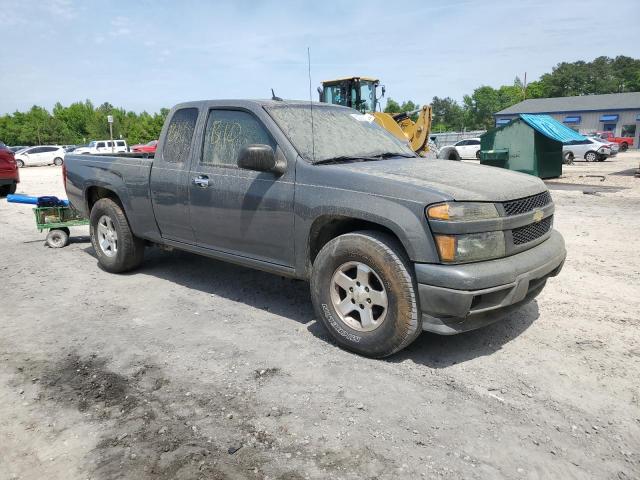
(57, 161)
(363, 291)
(624, 147)
(568, 158)
(478, 155)
(591, 156)
(19, 163)
(117, 249)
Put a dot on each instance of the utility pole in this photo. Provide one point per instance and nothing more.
(524, 87)
(110, 120)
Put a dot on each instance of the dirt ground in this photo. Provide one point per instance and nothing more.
(192, 368)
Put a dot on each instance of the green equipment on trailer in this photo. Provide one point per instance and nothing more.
(58, 220)
(529, 143)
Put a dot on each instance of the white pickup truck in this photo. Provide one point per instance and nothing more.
(103, 146)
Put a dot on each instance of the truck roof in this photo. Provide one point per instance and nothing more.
(245, 103)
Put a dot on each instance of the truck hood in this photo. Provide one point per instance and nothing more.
(460, 180)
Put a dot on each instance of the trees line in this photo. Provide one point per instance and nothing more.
(602, 75)
(81, 122)
(78, 123)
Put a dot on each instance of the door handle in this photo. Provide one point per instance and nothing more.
(201, 181)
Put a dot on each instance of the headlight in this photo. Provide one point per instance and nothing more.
(462, 211)
(471, 247)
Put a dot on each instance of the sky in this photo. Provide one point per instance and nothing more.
(144, 55)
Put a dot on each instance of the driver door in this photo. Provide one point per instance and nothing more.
(237, 211)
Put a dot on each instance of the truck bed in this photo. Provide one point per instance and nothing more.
(127, 174)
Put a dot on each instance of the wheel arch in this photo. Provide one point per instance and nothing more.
(327, 227)
(94, 193)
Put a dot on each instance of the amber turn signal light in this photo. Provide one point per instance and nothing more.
(438, 212)
(446, 247)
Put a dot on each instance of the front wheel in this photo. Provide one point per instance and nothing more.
(591, 156)
(19, 163)
(118, 250)
(364, 292)
(57, 161)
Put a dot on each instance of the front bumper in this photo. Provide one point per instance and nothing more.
(458, 298)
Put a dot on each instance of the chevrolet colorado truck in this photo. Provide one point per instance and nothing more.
(391, 243)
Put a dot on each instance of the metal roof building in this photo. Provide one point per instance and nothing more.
(616, 112)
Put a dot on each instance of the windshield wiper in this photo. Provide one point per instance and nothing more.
(372, 158)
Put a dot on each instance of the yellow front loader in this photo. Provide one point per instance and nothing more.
(361, 93)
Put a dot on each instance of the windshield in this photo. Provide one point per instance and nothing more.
(338, 132)
(92, 144)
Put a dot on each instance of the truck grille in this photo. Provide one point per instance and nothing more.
(531, 232)
(524, 205)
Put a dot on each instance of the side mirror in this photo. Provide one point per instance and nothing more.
(261, 158)
(383, 91)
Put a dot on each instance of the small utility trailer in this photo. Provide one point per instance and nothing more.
(54, 215)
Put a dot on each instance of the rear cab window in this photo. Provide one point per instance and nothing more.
(179, 137)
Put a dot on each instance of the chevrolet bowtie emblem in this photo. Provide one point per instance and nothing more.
(537, 215)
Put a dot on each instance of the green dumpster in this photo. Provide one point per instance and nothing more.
(529, 143)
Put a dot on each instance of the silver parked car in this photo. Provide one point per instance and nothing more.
(590, 149)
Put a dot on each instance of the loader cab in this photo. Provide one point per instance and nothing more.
(355, 92)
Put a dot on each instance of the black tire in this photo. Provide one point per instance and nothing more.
(385, 256)
(129, 252)
(478, 155)
(58, 161)
(58, 237)
(453, 155)
(19, 163)
(623, 147)
(7, 190)
(591, 156)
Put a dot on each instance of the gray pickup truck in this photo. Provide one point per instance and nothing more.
(391, 243)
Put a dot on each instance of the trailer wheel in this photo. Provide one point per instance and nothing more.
(117, 249)
(364, 292)
(58, 237)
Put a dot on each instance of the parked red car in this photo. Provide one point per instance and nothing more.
(624, 142)
(9, 176)
(146, 148)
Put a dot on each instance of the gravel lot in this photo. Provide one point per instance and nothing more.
(193, 368)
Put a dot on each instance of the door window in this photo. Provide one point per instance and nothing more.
(473, 142)
(227, 131)
(177, 143)
(100, 145)
(35, 150)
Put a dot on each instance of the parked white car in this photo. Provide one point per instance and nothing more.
(591, 150)
(468, 148)
(40, 155)
(103, 146)
(615, 147)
